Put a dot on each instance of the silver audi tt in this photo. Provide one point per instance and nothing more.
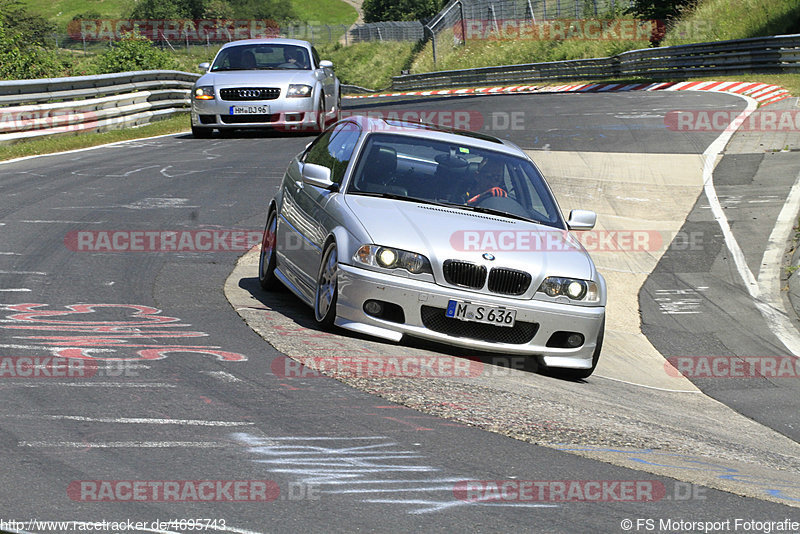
(394, 228)
(265, 83)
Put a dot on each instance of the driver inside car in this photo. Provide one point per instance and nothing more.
(294, 57)
(488, 181)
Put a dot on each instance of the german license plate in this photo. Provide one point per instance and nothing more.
(480, 313)
(249, 110)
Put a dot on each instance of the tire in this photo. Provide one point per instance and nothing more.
(580, 374)
(321, 122)
(267, 258)
(201, 133)
(327, 287)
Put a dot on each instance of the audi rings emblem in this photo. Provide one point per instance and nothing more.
(249, 93)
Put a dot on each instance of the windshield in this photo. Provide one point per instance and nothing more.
(461, 176)
(260, 56)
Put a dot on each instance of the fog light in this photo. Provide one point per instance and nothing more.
(373, 307)
(574, 340)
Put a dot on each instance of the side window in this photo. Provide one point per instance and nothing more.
(334, 148)
(316, 57)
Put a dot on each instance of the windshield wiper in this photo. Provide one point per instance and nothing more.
(490, 211)
(398, 197)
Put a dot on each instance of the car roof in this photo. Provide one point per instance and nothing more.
(430, 131)
(277, 41)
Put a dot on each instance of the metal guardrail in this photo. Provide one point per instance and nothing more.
(52, 106)
(756, 55)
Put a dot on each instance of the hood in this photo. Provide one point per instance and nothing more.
(257, 78)
(444, 233)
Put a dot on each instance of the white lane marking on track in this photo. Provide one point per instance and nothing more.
(648, 387)
(10, 254)
(134, 420)
(769, 275)
(124, 444)
(37, 221)
(23, 272)
(16, 290)
(437, 506)
(159, 202)
(129, 141)
(222, 375)
(770, 306)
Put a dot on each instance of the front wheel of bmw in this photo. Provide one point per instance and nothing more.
(326, 293)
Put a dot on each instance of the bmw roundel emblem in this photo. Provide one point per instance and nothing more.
(487, 256)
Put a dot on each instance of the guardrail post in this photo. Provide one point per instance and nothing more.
(433, 43)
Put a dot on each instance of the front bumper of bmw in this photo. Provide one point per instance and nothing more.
(538, 330)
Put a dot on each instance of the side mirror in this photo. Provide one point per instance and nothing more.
(581, 220)
(204, 66)
(316, 175)
(325, 64)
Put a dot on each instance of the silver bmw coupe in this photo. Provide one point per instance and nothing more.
(392, 228)
(265, 83)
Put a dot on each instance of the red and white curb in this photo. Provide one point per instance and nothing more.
(763, 93)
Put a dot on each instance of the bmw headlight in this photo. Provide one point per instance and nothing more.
(297, 90)
(573, 288)
(392, 258)
(204, 93)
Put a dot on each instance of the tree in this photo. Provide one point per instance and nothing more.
(133, 52)
(663, 10)
(30, 29)
(20, 59)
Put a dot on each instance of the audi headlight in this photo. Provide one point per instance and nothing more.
(392, 258)
(574, 289)
(298, 91)
(204, 93)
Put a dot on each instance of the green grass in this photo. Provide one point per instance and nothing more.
(324, 11)
(369, 65)
(62, 11)
(719, 20)
(175, 124)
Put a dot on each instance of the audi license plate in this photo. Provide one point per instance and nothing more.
(480, 313)
(249, 110)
